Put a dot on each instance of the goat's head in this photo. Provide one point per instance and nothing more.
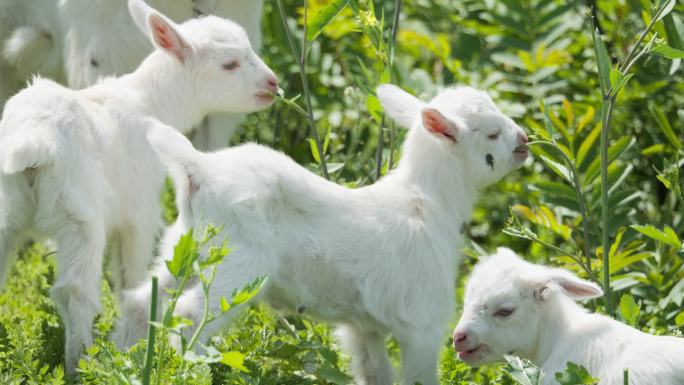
(505, 302)
(464, 123)
(214, 56)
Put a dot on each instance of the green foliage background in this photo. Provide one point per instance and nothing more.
(536, 58)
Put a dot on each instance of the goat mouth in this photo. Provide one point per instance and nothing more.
(521, 152)
(265, 96)
(470, 355)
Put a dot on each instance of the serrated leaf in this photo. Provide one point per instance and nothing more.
(667, 236)
(323, 17)
(575, 375)
(522, 371)
(235, 360)
(248, 292)
(183, 254)
(629, 309)
(666, 51)
(333, 374)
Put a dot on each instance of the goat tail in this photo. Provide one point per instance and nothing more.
(32, 50)
(173, 148)
(26, 150)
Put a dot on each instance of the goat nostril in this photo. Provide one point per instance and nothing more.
(272, 84)
(524, 139)
(460, 337)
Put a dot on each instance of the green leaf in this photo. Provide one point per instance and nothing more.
(235, 360)
(323, 17)
(670, 178)
(216, 255)
(679, 319)
(183, 254)
(248, 292)
(629, 309)
(332, 374)
(575, 375)
(603, 62)
(665, 126)
(314, 150)
(668, 236)
(666, 8)
(666, 51)
(587, 145)
(615, 78)
(225, 305)
(558, 168)
(522, 371)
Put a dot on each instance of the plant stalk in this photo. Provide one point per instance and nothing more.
(151, 334)
(301, 61)
(607, 104)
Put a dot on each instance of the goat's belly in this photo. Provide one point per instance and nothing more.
(315, 289)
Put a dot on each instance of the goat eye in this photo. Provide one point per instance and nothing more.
(231, 65)
(503, 312)
(493, 136)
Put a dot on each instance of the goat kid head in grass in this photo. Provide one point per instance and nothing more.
(462, 124)
(505, 301)
(214, 60)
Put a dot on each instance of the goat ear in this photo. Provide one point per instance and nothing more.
(401, 106)
(438, 125)
(572, 286)
(163, 33)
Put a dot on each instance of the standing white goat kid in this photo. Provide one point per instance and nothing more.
(76, 166)
(100, 40)
(377, 260)
(515, 307)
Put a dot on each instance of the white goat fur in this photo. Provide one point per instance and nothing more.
(376, 260)
(101, 40)
(76, 166)
(547, 327)
(30, 33)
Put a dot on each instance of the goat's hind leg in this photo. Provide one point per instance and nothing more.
(420, 354)
(76, 292)
(16, 212)
(370, 364)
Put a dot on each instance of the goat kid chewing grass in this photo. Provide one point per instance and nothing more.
(77, 169)
(376, 261)
(518, 308)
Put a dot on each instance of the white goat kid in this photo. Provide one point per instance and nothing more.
(376, 260)
(515, 307)
(76, 166)
(101, 40)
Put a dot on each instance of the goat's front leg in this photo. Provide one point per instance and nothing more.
(370, 364)
(420, 354)
(76, 291)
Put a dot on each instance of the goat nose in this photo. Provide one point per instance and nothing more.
(460, 338)
(522, 138)
(272, 84)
